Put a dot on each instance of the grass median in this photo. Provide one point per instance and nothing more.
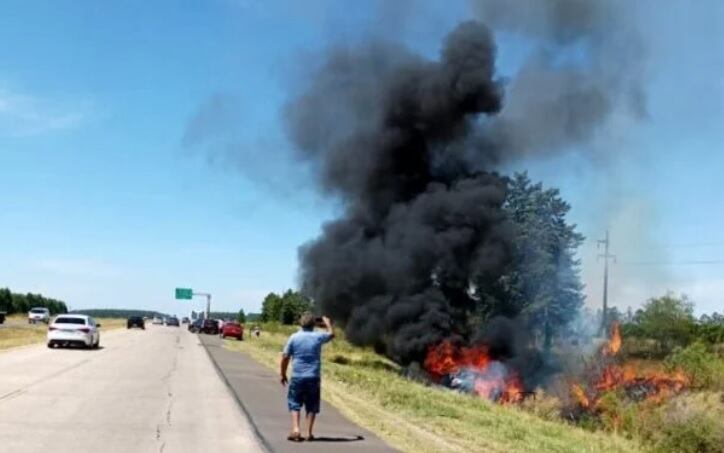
(17, 332)
(414, 417)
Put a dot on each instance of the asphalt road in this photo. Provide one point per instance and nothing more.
(143, 391)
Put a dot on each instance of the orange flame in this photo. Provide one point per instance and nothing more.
(446, 358)
(649, 386)
(513, 392)
(580, 395)
(614, 343)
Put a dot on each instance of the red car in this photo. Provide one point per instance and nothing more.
(232, 329)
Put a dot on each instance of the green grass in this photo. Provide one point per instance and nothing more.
(414, 417)
(16, 332)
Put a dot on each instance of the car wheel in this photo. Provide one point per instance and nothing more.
(51, 345)
(240, 338)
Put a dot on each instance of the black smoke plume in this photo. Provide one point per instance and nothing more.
(410, 147)
(420, 226)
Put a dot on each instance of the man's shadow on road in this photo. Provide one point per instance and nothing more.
(338, 439)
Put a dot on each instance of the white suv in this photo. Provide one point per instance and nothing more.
(38, 314)
(69, 330)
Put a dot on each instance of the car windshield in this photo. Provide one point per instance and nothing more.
(37, 310)
(66, 320)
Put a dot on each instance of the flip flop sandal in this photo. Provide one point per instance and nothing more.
(295, 437)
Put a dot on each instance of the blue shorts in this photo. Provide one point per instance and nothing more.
(304, 392)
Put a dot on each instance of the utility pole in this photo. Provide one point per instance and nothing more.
(606, 256)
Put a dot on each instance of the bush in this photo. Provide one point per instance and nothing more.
(718, 350)
(690, 422)
(669, 320)
(703, 367)
(710, 333)
(642, 348)
(696, 434)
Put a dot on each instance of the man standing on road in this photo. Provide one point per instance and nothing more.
(305, 349)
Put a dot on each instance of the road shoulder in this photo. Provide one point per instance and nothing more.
(258, 392)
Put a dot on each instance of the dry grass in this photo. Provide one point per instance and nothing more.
(415, 417)
(691, 422)
(17, 332)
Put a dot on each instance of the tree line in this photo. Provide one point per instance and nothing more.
(285, 308)
(11, 303)
(668, 322)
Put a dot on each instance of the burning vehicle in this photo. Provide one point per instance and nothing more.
(472, 370)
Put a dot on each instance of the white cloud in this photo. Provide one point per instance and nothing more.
(25, 115)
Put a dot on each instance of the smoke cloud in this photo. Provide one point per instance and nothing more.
(411, 146)
(586, 63)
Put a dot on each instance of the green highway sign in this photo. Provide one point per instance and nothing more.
(184, 293)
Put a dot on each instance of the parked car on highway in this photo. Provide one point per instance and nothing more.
(195, 326)
(74, 330)
(135, 321)
(156, 320)
(210, 327)
(173, 321)
(38, 314)
(232, 329)
(185, 320)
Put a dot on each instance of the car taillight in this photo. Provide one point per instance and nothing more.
(84, 329)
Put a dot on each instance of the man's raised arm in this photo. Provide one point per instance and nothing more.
(328, 324)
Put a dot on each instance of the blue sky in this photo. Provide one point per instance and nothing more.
(103, 204)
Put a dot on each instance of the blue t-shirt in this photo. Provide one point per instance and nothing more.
(305, 349)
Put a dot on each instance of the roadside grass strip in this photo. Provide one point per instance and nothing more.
(16, 332)
(414, 417)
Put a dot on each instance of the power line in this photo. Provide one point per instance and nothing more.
(694, 245)
(672, 263)
(672, 245)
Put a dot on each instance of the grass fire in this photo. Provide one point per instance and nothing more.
(604, 374)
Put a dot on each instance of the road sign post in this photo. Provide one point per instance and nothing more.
(184, 293)
(188, 294)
